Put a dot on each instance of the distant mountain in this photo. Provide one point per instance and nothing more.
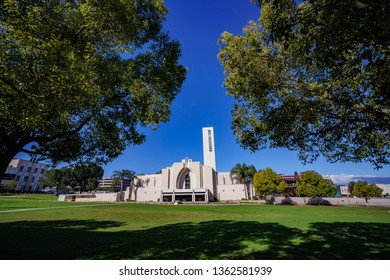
(344, 179)
(374, 180)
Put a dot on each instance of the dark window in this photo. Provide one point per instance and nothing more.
(187, 182)
(210, 142)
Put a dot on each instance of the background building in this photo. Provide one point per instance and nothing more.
(108, 184)
(25, 174)
(291, 181)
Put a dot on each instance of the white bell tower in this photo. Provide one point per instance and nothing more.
(208, 147)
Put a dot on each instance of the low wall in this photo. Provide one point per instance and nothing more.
(102, 197)
(337, 201)
(106, 197)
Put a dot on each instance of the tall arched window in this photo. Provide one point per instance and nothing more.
(187, 182)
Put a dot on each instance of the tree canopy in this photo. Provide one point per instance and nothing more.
(312, 76)
(267, 182)
(363, 189)
(57, 178)
(78, 78)
(85, 177)
(243, 173)
(312, 184)
(81, 177)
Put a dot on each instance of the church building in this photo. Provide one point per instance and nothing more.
(189, 180)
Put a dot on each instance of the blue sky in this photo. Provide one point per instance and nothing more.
(198, 24)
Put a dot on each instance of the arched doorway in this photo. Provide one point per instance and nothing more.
(185, 180)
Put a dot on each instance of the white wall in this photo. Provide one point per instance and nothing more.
(148, 194)
(339, 201)
(146, 188)
(385, 188)
(225, 179)
(231, 192)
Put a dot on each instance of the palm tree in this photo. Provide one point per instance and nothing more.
(120, 176)
(244, 175)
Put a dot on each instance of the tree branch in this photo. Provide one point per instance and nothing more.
(78, 128)
(14, 88)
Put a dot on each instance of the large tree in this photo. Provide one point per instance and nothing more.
(57, 178)
(312, 184)
(81, 177)
(351, 186)
(244, 175)
(313, 76)
(78, 78)
(85, 177)
(268, 182)
(363, 189)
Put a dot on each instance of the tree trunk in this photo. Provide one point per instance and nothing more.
(121, 190)
(5, 158)
(10, 146)
(248, 191)
(131, 191)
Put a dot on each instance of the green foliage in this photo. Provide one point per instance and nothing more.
(267, 182)
(85, 177)
(79, 78)
(82, 177)
(57, 178)
(313, 77)
(363, 189)
(351, 186)
(312, 184)
(119, 177)
(244, 175)
(10, 185)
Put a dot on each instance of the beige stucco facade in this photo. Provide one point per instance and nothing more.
(185, 181)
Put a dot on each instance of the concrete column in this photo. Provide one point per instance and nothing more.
(193, 196)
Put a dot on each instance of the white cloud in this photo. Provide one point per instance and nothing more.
(344, 179)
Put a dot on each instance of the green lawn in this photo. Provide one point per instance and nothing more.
(138, 231)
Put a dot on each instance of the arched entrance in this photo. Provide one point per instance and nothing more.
(185, 180)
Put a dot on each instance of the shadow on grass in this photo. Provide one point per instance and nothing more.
(222, 239)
